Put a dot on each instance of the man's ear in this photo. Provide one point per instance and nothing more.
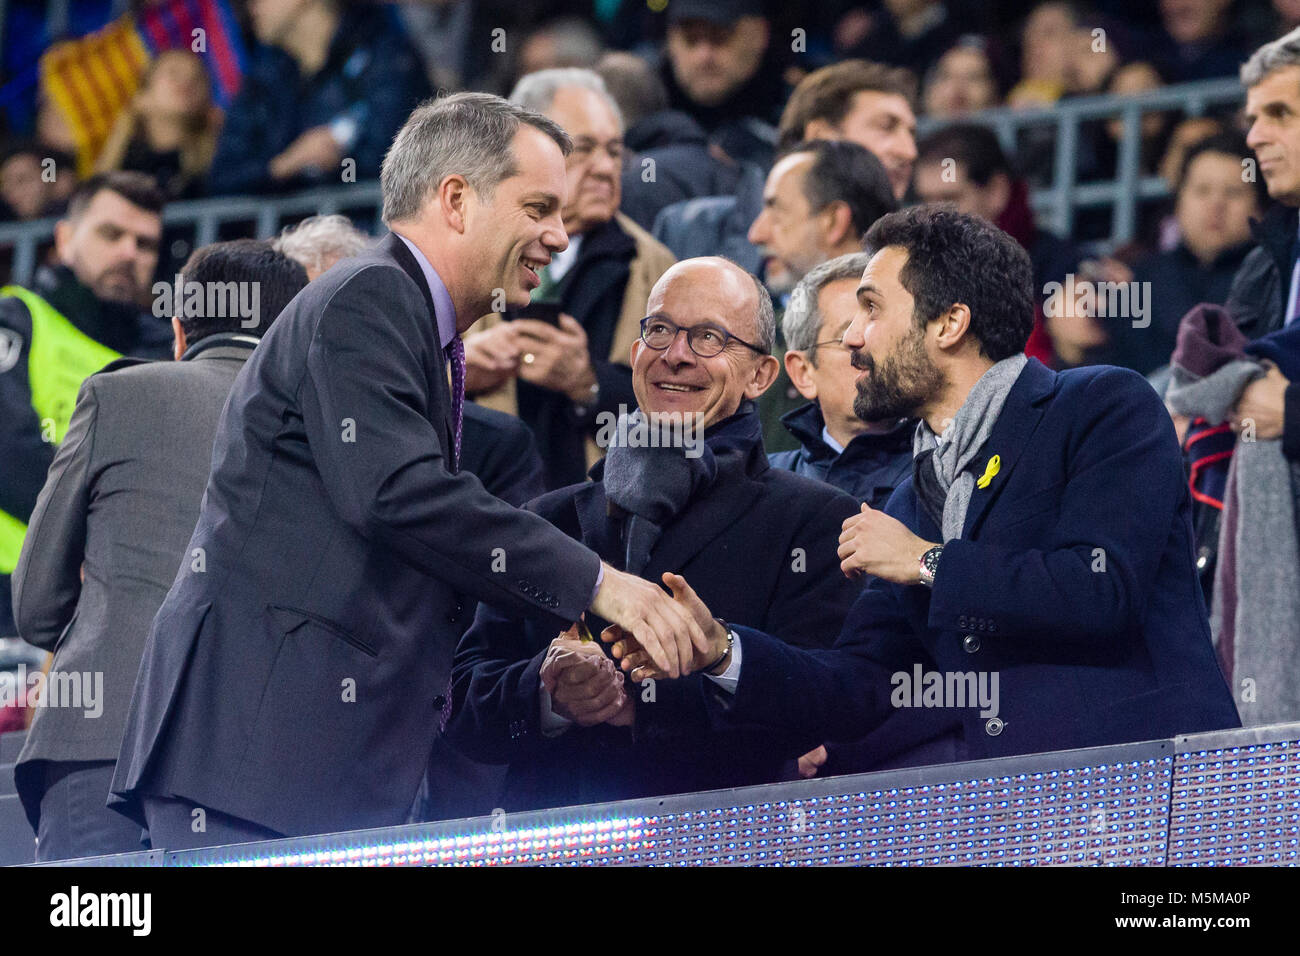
(799, 367)
(178, 330)
(764, 376)
(178, 333)
(454, 193)
(840, 224)
(819, 129)
(63, 230)
(954, 324)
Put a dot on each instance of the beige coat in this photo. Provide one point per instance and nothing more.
(652, 260)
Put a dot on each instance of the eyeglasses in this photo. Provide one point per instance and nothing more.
(830, 342)
(706, 341)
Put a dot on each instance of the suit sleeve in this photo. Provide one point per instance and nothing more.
(368, 406)
(1091, 583)
(47, 581)
(25, 455)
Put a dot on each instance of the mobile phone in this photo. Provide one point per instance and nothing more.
(548, 312)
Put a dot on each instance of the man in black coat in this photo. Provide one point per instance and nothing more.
(757, 541)
(294, 676)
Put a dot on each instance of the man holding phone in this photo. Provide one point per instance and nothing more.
(561, 361)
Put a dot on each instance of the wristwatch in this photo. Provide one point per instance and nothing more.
(930, 564)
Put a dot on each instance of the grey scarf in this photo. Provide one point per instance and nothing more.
(964, 438)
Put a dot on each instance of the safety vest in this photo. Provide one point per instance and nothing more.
(59, 358)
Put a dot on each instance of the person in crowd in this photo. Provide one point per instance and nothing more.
(318, 242)
(819, 200)
(912, 34)
(35, 182)
(262, 687)
(566, 42)
(555, 708)
(328, 86)
(109, 530)
(1011, 551)
(76, 317)
(1214, 206)
(1200, 40)
(963, 81)
(563, 379)
(668, 158)
(169, 130)
(722, 67)
(1266, 289)
(868, 460)
(1047, 52)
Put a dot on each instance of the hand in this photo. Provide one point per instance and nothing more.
(315, 147)
(813, 761)
(561, 361)
(872, 542)
(636, 655)
(585, 686)
(1263, 402)
(491, 357)
(667, 633)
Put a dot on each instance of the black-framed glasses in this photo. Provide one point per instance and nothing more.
(706, 341)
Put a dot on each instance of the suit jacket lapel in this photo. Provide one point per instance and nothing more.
(396, 248)
(707, 518)
(1020, 415)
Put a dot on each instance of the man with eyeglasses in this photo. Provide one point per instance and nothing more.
(866, 459)
(759, 542)
(560, 377)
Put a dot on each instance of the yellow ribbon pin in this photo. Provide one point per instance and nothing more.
(991, 469)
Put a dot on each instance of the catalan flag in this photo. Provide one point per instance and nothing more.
(90, 79)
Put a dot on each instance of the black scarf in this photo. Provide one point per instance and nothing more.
(651, 486)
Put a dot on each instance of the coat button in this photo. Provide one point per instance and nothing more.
(994, 726)
(992, 627)
(970, 643)
(982, 624)
(961, 622)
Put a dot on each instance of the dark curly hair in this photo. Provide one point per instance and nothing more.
(953, 257)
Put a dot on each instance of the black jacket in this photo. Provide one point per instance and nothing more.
(737, 546)
(871, 466)
(1257, 300)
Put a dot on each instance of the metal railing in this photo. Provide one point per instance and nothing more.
(1056, 206)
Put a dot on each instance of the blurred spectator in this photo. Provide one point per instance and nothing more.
(866, 459)
(454, 39)
(35, 181)
(110, 528)
(330, 82)
(558, 44)
(668, 156)
(961, 82)
(560, 377)
(1214, 207)
(819, 200)
(868, 103)
(1047, 49)
(1266, 288)
(907, 33)
(1185, 134)
(1129, 80)
(318, 242)
(722, 69)
(1201, 41)
(76, 318)
(170, 128)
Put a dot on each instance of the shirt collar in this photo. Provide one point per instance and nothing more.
(444, 311)
(831, 442)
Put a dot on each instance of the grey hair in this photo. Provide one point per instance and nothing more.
(317, 237)
(466, 134)
(1282, 52)
(802, 321)
(536, 90)
(766, 315)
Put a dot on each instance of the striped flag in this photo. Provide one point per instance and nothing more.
(90, 79)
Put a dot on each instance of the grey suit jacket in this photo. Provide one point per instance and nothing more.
(296, 673)
(120, 500)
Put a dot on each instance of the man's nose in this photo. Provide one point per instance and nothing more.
(554, 238)
(855, 336)
(758, 231)
(679, 352)
(1255, 135)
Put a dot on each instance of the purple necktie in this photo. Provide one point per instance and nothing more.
(457, 356)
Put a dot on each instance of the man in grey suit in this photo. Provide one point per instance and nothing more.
(298, 669)
(110, 526)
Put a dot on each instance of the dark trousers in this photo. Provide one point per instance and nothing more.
(74, 820)
(173, 825)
